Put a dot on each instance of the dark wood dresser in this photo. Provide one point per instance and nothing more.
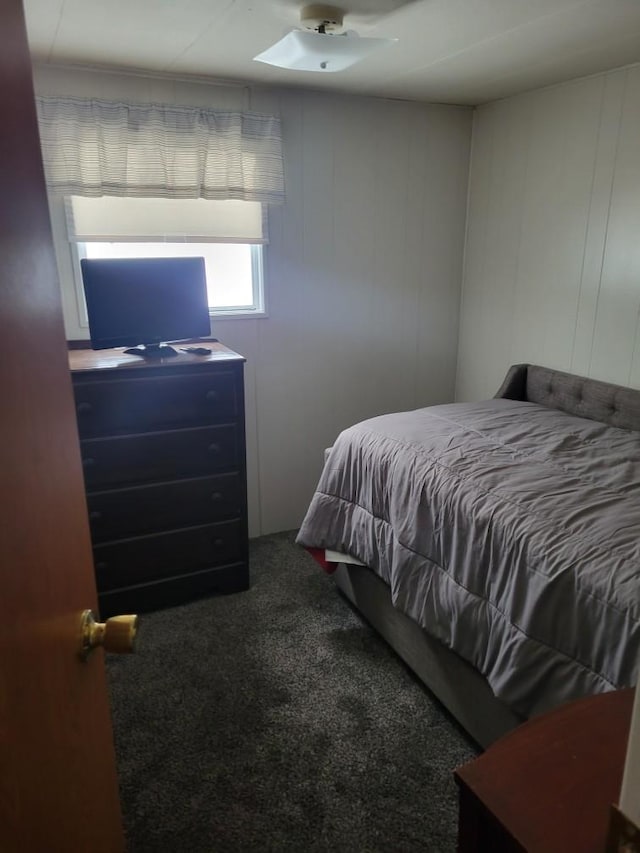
(163, 454)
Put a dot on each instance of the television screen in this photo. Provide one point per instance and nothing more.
(145, 301)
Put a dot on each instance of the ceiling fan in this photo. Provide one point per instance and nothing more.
(321, 43)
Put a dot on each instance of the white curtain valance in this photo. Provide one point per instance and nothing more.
(106, 148)
(159, 220)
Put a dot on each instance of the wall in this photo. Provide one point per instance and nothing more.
(363, 270)
(552, 258)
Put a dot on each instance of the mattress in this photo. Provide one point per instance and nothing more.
(508, 530)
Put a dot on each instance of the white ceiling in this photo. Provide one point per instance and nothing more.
(449, 51)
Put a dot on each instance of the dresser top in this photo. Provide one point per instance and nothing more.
(117, 359)
(550, 782)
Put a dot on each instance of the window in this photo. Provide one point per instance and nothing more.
(229, 235)
(234, 271)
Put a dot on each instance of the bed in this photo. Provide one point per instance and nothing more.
(495, 545)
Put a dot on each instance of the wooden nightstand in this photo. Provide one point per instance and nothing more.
(547, 787)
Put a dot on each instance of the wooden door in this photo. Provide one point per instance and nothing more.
(58, 786)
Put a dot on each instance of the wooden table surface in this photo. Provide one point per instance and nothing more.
(547, 787)
(117, 359)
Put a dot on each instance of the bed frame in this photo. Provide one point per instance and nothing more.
(458, 685)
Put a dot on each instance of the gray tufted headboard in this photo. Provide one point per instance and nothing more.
(587, 398)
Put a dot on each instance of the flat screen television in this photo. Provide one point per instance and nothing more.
(143, 302)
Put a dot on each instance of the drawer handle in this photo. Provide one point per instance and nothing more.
(88, 462)
(83, 408)
(211, 396)
(95, 515)
(214, 448)
(216, 496)
(218, 543)
(100, 567)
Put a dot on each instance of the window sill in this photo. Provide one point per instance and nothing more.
(237, 315)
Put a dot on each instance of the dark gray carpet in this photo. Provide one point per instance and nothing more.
(276, 720)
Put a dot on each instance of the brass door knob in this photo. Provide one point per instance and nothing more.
(116, 635)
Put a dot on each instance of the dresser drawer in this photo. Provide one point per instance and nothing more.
(163, 506)
(137, 459)
(164, 555)
(232, 577)
(108, 407)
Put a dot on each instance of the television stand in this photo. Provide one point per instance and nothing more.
(152, 351)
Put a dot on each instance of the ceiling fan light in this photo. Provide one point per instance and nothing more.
(310, 51)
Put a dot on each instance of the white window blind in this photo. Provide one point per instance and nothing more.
(152, 220)
(105, 148)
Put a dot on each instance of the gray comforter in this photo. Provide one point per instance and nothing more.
(509, 531)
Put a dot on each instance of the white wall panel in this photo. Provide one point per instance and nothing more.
(438, 237)
(552, 257)
(497, 186)
(354, 329)
(612, 93)
(363, 270)
(614, 339)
